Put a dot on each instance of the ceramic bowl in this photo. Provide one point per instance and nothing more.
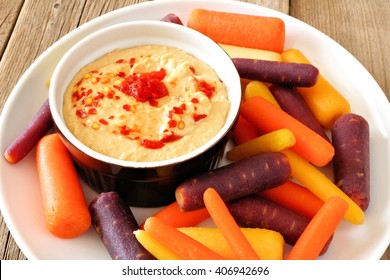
(143, 184)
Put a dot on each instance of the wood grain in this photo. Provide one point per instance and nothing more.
(362, 28)
(28, 28)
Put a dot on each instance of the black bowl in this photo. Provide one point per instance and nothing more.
(143, 187)
(146, 184)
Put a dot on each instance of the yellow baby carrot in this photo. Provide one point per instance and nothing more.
(274, 141)
(324, 100)
(317, 182)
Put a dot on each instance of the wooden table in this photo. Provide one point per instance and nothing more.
(28, 28)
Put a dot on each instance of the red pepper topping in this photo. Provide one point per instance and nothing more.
(125, 130)
(95, 102)
(198, 117)
(92, 111)
(77, 96)
(103, 121)
(121, 74)
(79, 83)
(132, 61)
(206, 88)
(153, 102)
(119, 61)
(81, 113)
(152, 144)
(195, 100)
(158, 144)
(178, 110)
(126, 107)
(145, 86)
(100, 95)
(172, 123)
(170, 138)
(192, 69)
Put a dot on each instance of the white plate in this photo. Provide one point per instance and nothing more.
(19, 189)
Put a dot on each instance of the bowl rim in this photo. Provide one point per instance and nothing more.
(232, 85)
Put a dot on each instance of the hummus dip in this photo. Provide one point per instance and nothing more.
(146, 103)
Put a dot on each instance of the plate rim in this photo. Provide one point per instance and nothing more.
(102, 20)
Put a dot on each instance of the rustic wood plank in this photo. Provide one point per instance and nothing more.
(39, 25)
(370, 32)
(278, 5)
(8, 247)
(94, 8)
(9, 12)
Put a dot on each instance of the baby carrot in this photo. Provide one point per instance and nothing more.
(259, 32)
(173, 216)
(242, 52)
(65, 208)
(228, 226)
(324, 100)
(267, 117)
(244, 131)
(257, 88)
(317, 182)
(274, 141)
(320, 228)
(25, 142)
(178, 242)
(294, 197)
(156, 248)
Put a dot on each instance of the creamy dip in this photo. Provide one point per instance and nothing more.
(146, 103)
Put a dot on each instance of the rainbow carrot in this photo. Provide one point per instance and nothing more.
(25, 142)
(256, 88)
(178, 242)
(274, 141)
(294, 197)
(65, 208)
(320, 228)
(244, 131)
(317, 182)
(324, 100)
(156, 248)
(259, 32)
(268, 244)
(173, 216)
(228, 226)
(242, 52)
(267, 117)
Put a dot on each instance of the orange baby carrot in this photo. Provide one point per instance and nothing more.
(173, 216)
(319, 230)
(294, 197)
(228, 226)
(259, 32)
(178, 242)
(267, 117)
(244, 131)
(65, 208)
(324, 100)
